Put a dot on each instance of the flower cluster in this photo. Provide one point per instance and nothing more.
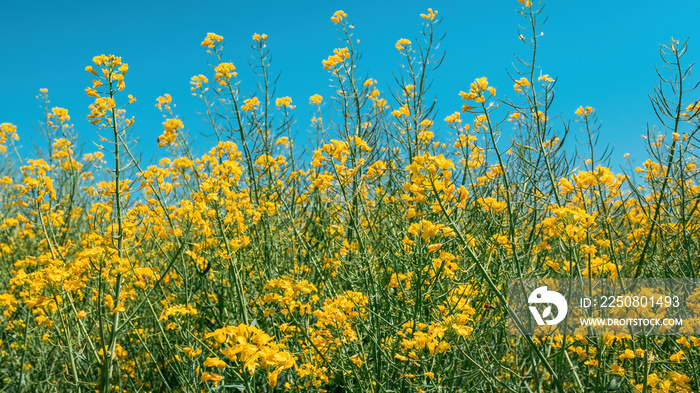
(338, 56)
(211, 40)
(476, 92)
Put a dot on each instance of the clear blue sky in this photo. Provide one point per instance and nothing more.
(602, 51)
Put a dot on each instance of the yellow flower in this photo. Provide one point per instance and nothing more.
(211, 40)
(112, 70)
(171, 127)
(491, 203)
(60, 114)
(585, 112)
(425, 123)
(165, 99)
(683, 341)
(434, 247)
(214, 362)
(566, 186)
(197, 82)
(91, 92)
(192, 353)
(454, 118)
(430, 16)
(224, 72)
(357, 360)
(520, 83)
(250, 104)
(677, 357)
(216, 378)
(403, 111)
(99, 110)
(476, 92)
(337, 57)
(338, 16)
(284, 101)
(259, 38)
(315, 99)
(615, 369)
(628, 354)
(400, 44)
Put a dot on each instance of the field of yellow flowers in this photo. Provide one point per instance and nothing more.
(378, 262)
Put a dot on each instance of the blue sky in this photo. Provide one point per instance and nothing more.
(602, 52)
